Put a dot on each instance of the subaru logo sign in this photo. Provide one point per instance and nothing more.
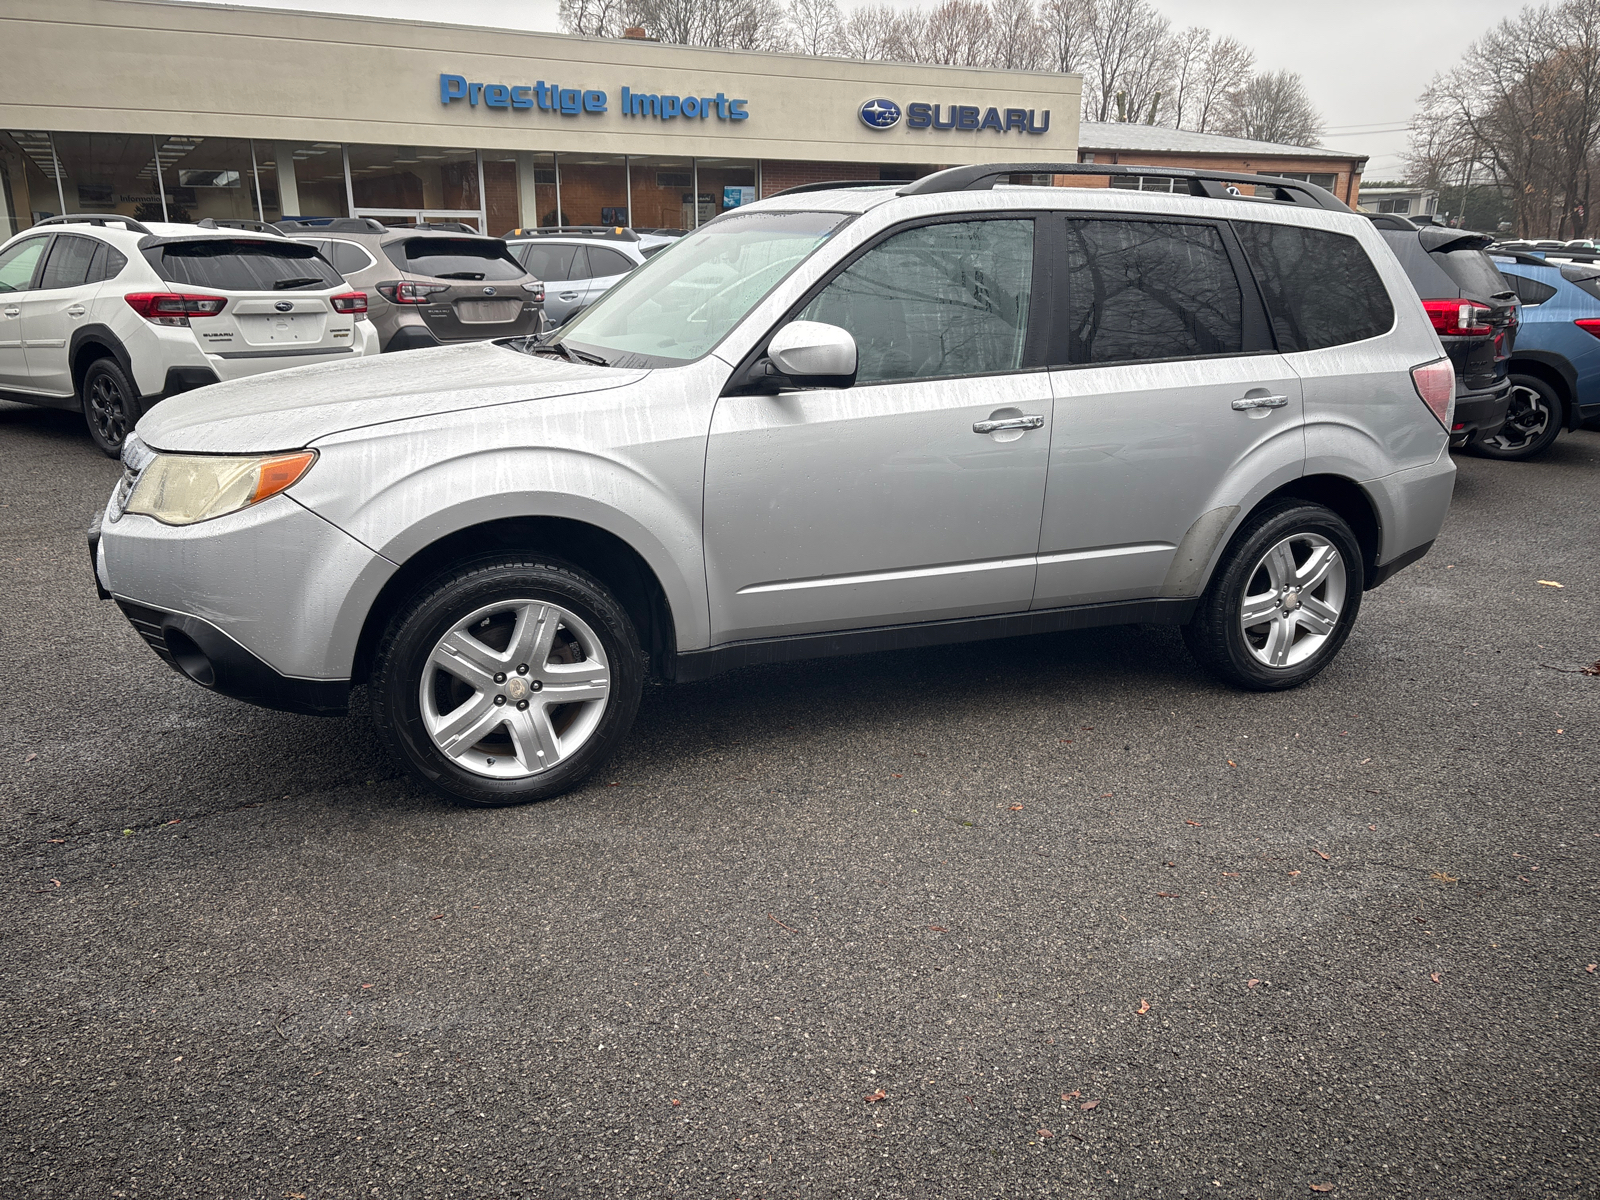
(284, 305)
(488, 291)
(880, 114)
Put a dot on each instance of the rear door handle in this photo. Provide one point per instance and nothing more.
(13, 312)
(77, 310)
(1008, 423)
(568, 296)
(1250, 402)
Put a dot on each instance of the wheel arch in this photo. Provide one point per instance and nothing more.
(621, 568)
(1555, 371)
(1346, 498)
(91, 342)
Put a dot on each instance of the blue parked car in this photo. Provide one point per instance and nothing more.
(1555, 366)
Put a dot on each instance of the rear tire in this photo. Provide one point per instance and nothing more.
(1282, 600)
(111, 405)
(507, 680)
(1533, 422)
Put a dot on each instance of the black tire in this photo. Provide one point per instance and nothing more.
(1533, 422)
(450, 598)
(110, 403)
(1216, 634)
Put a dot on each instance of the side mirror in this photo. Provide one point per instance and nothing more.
(812, 354)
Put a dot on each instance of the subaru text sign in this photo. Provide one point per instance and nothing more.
(885, 114)
(572, 102)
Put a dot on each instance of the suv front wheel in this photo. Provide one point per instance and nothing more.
(1282, 600)
(507, 680)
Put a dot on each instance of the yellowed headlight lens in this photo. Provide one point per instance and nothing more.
(180, 489)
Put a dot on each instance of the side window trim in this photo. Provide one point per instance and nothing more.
(1033, 343)
(1256, 329)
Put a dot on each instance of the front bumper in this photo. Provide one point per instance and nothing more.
(1481, 413)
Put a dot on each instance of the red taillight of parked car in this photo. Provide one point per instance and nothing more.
(410, 291)
(174, 308)
(1436, 384)
(1590, 325)
(350, 302)
(1458, 318)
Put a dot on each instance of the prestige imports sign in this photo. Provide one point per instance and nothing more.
(573, 102)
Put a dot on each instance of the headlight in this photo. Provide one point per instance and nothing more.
(180, 489)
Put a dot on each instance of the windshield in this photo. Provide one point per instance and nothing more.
(681, 302)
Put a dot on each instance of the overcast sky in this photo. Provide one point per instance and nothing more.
(1364, 61)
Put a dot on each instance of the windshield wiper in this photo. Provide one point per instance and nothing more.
(460, 275)
(568, 353)
(285, 284)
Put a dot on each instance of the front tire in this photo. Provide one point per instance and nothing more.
(1282, 601)
(1533, 422)
(110, 405)
(507, 680)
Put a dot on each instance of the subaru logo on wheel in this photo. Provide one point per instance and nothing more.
(488, 291)
(880, 114)
(284, 305)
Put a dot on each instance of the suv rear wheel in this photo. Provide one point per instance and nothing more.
(1282, 600)
(1533, 420)
(507, 680)
(110, 404)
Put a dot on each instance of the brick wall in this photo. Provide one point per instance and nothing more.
(778, 175)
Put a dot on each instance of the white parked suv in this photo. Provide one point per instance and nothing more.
(861, 418)
(109, 315)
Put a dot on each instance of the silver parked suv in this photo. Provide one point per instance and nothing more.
(839, 420)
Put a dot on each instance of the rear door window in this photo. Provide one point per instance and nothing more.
(225, 265)
(1142, 290)
(546, 261)
(69, 263)
(1321, 288)
(455, 258)
(603, 262)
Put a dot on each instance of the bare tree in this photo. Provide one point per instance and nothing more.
(815, 26)
(958, 33)
(1128, 45)
(1228, 68)
(1186, 65)
(1272, 107)
(871, 32)
(1018, 37)
(1064, 28)
(596, 18)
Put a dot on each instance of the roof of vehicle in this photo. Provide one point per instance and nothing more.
(1118, 135)
(125, 231)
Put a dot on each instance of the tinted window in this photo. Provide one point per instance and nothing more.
(1149, 289)
(549, 262)
(1473, 272)
(347, 257)
(17, 264)
(1530, 291)
(1584, 276)
(109, 265)
(1321, 288)
(69, 262)
(937, 300)
(608, 262)
(243, 266)
(455, 258)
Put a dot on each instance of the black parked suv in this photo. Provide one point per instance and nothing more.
(1474, 310)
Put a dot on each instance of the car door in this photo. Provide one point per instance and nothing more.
(19, 267)
(606, 269)
(56, 307)
(892, 501)
(1170, 403)
(554, 264)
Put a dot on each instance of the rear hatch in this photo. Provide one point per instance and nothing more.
(1475, 308)
(468, 288)
(281, 298)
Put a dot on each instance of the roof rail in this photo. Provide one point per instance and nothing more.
(617, 233)
(847, 183)
(443, 227)
(1390, 221)
(293, 225)
(99, 219)
(1201, 182)
(240, 223)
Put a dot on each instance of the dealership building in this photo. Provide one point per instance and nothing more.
(174, 111)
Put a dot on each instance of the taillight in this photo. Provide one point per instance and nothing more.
(1436, 384)
(1590, 325)
(409, 291)
(350, 302)
(1458, 318)
(536, 290)
(174, 308)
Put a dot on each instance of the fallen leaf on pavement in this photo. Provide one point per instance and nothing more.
(1016, 808)
(57, 882)
(1230, 874)
(1434, 977)
(880, 1094)
(1292, 874)
(1590, 968)
(1044, 1133)
(1550, 583)
(1088, 1104)
(30, 758)
(676, 1103)
(1186, 821)
(1374, 828)
(1592, 669)
(1070, 1095)
(366, 985)
(1231, 763)
(57, 841)
(1144, 1006)
(1167, 895)
(1443, 878)
(437, 917)
(1322, 1187)
(1250, 983)
(938, 929)
(1320, 854)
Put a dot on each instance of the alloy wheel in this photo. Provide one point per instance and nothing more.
(514, 688)
(1527, 418)
(108, 409)
(1293, 600)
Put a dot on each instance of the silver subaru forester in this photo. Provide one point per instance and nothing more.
(839, 420)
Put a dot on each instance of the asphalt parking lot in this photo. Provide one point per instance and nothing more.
(1088, 923)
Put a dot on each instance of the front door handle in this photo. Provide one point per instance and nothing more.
(1008, 423)
(77, 310)
(1250, 402)
(13, 312)
(568, 296)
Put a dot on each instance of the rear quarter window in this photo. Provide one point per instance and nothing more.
(1529, 291)
(455, 258)
(1321, 288)
(243, 266)
(1583, 277)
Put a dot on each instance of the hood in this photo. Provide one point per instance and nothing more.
(285, 410)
